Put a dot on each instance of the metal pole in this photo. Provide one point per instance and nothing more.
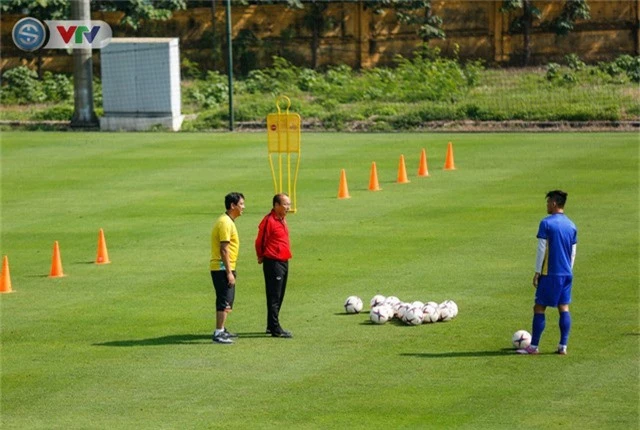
(230, 64)
(83, 113)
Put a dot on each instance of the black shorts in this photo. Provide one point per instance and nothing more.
(224, 293)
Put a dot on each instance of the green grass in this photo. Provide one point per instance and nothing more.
(127, 345)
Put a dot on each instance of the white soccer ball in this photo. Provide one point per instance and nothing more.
(401, 309)
(430, 314)
(389, 311)
(353, 304)
(521, 339)
(446, 313)
(377, 300)
(453, 307)
(413, 316)
(379, 315)
(391, 301)
(417, 304)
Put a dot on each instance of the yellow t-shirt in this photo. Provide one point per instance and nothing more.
(224, 230)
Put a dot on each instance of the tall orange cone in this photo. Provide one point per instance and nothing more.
(56, 262)
(448, 162)
(422, 169)
(373, 178)
(103, 255)
(5, 277)
(402, 172)
(343, 189)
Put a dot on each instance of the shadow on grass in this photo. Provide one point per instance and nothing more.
(500, 352)
(176, 339)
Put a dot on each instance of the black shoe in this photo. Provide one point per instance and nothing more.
(229, 334)
(267, 331)
(282, 333)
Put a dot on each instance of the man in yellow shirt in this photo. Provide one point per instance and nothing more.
(225, 245)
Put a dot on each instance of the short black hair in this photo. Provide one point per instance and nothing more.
(278, 198)
(557, 196)
(232, 198)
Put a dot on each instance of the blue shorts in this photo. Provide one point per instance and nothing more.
(554, 290)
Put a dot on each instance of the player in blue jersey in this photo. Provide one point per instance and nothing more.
(557, 239)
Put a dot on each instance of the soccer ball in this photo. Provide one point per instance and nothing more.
(430, 314)
(379, 315)
(453, 307)
(391, 301)
(413, 316)
(401, 309)
(417, 304)
(377, 300)
(521, 339)
(446, 314)
(353, 305)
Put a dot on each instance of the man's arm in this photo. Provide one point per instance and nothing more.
(224, 254)
(542, 249)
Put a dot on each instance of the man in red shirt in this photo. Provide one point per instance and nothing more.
(274, 251)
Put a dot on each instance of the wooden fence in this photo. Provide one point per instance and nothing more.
(353, 34)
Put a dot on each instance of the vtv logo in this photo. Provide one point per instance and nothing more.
(78, 34)
(29, 34)
(78, 31)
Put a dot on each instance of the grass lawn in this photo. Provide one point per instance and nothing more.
(127, 345)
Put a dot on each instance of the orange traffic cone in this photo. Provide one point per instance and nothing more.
(373, 178)
(5, 277)
(422, 169)
(402, 172)
(448, 162)
(343, 189)
(56, 263)
(103, 255)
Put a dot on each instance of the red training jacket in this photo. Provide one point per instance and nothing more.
(273, 238)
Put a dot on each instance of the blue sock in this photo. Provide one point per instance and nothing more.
(537, 328)
(565, 327)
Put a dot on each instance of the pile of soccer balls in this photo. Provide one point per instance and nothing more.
(384, 309)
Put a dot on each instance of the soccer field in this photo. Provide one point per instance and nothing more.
(128, 345)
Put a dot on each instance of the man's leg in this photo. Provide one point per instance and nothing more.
(538, 325)
(565, 328)
(272, 293)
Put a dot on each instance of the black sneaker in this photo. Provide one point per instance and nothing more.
(229, 334)
(282, 333)
(222, 337)
(267, 331)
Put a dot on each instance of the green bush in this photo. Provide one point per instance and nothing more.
(21, 85)
(574, 62)
(57, 88)
(55, 113)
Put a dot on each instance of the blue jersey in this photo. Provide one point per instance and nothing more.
(561, 234)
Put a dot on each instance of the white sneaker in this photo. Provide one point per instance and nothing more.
(562, 350)
(222, 337)
(529, 350)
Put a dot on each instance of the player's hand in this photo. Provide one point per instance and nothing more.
(231, 280)
(536, 277)
(259, 260)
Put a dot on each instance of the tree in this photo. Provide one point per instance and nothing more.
(429, 26)
(523, 23)
(572, 11)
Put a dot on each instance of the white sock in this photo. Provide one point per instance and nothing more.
(218, 331)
